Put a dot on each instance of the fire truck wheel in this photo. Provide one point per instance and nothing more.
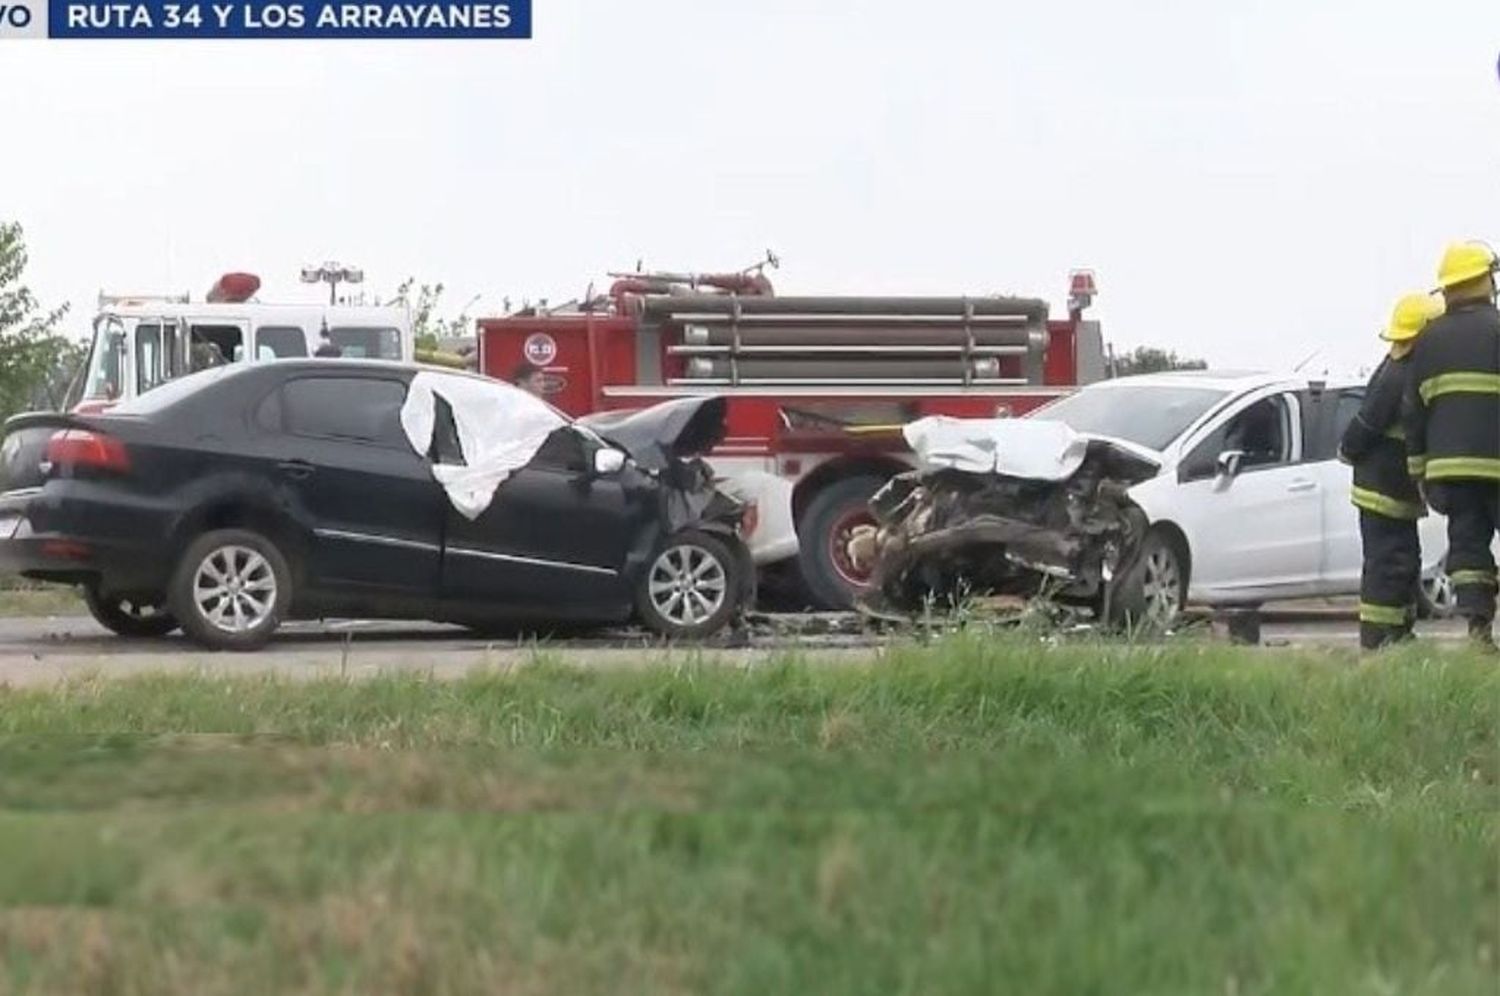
(692, 589)
(823, 532)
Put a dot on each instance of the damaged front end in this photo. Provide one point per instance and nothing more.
(948, 534)
(669, 443)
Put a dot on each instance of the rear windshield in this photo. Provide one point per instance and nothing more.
(171, 392)
(1147, 416)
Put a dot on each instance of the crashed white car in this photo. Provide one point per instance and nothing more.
(1134, 496)
(1250, 503)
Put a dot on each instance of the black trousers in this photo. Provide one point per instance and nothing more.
(1473, 511)
(1389, 580)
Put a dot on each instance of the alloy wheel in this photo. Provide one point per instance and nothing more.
(1442, 598)
(1162, 587)
(687, 585)
(234, 589)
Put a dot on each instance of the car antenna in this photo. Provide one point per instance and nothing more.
(1310, 357)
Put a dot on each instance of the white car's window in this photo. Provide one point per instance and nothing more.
(1147, 416)
(1347, 406)
(1262, 432)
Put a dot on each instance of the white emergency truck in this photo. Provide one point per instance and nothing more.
(142, 341)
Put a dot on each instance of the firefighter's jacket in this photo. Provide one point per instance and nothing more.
(1374, 443)
(1452, 406)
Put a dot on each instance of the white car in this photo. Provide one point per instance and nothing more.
(1251, 503)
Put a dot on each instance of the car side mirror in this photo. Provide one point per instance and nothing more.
(1230, 463)
(608, 461)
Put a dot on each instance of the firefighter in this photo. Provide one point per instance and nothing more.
(1453, 427)
(1388, 500)
(530, 378)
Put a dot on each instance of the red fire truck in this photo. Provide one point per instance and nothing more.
(815, 384)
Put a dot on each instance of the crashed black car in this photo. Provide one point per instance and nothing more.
(240, 497)
(949, 533)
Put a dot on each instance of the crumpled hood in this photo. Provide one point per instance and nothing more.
(674, 430)
(1029, 449)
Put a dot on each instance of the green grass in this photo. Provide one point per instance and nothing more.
(983, 816)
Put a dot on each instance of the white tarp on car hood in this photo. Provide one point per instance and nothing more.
(1036, 450)
(500, 428)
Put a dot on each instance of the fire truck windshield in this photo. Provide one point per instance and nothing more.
(367, 343)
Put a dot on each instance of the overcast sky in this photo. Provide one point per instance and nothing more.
(1250, 181)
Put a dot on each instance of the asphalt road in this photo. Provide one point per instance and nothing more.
(44, 651)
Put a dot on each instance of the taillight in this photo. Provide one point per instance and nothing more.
(80, 448)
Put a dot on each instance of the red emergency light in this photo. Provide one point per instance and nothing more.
(1082, 287)
(234, 288)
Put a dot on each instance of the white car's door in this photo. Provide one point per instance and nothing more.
(1343, 548)
(1257, 532)
(1343, 552)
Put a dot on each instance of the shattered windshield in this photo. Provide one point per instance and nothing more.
(1147, 416)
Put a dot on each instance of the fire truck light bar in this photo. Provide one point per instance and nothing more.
(233, 288)
(1082, 283)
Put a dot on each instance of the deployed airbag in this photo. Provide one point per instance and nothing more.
(1034, 450)
(500, 429)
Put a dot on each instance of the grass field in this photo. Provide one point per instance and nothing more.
(983, 816)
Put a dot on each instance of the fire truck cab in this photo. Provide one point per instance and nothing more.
(142, 341)
(818, 387)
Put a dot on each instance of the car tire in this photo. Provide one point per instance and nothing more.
(829, 584)
(1151, 593)
(231, 590)
(126, 617)
(692, 588)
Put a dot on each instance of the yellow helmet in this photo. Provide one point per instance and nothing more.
(1411, 315)
(1465, 261)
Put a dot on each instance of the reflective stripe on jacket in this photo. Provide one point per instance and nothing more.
(1452, 416)
(1373, 445)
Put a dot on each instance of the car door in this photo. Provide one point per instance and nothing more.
(376, 511)
(553, 540)
(1342, 556)
(1343, 547)
(1258, 531)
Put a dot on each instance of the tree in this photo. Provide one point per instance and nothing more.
(426, 325)
(36, 361)
(1149, 359)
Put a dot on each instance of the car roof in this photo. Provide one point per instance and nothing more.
(323, 365)
(1230, 381)
(218, 378)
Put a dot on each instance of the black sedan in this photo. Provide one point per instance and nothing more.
(232, 500)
